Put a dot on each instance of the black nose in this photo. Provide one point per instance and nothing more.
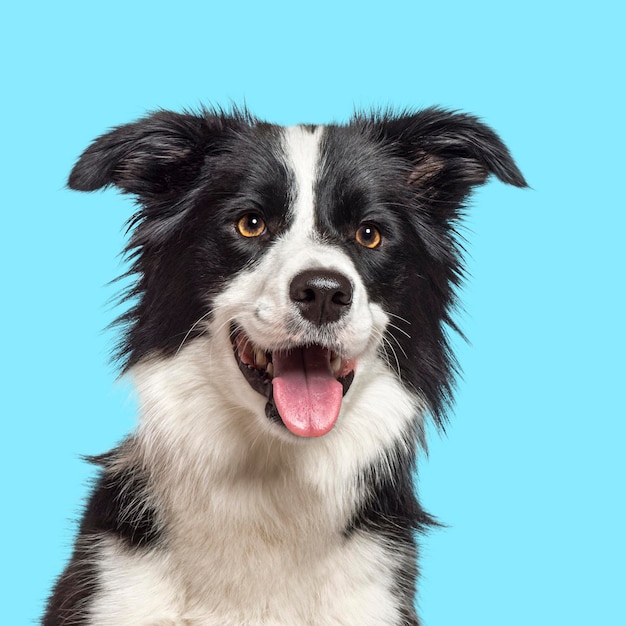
(322, 296)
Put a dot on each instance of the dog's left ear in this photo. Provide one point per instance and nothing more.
(448, 154)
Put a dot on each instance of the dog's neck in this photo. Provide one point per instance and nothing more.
(197, 436)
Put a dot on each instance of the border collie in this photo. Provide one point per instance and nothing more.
(287, 337)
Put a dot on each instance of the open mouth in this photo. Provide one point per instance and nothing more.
(304, 385)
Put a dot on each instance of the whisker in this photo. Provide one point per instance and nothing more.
(406, 356)
(398, 317)
(192, 329)
(400, 330)
(214, 309)
(395, 356)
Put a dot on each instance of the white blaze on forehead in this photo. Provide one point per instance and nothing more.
(302, 154)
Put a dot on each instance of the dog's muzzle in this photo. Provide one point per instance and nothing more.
(304, 383)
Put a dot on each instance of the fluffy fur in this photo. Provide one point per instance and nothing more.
(253, 243)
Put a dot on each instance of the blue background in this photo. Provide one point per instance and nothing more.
(530, 476)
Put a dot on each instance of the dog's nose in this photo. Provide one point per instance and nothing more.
(322, 296)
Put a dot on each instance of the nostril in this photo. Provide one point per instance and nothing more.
(342, 298)
(308, 295)
(322, 296)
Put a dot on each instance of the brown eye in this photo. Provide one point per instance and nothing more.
(369, 236)
(251, 225)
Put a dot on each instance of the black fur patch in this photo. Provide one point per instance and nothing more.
(194, 177)
(391, 510)
(409, 175)
(118, 507)
(71, 597)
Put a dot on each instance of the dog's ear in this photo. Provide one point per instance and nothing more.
(449, 153)
(158, 154)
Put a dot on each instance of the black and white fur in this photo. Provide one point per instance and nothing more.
(213, 513)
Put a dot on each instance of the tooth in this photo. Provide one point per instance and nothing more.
(270, 369)
(335, 364)
(260, 359)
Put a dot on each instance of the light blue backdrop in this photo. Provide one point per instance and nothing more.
(530, 477)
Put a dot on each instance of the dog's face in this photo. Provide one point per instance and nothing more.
(308, 255)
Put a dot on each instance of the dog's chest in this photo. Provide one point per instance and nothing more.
(250, 567)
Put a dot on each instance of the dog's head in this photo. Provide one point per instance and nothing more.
(313, 253)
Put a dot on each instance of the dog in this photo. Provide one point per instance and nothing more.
(287, 335)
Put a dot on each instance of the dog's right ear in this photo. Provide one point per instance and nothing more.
(161, 153)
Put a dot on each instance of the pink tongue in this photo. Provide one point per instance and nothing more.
(307, 395)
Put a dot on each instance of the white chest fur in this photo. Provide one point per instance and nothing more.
(342, 582)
